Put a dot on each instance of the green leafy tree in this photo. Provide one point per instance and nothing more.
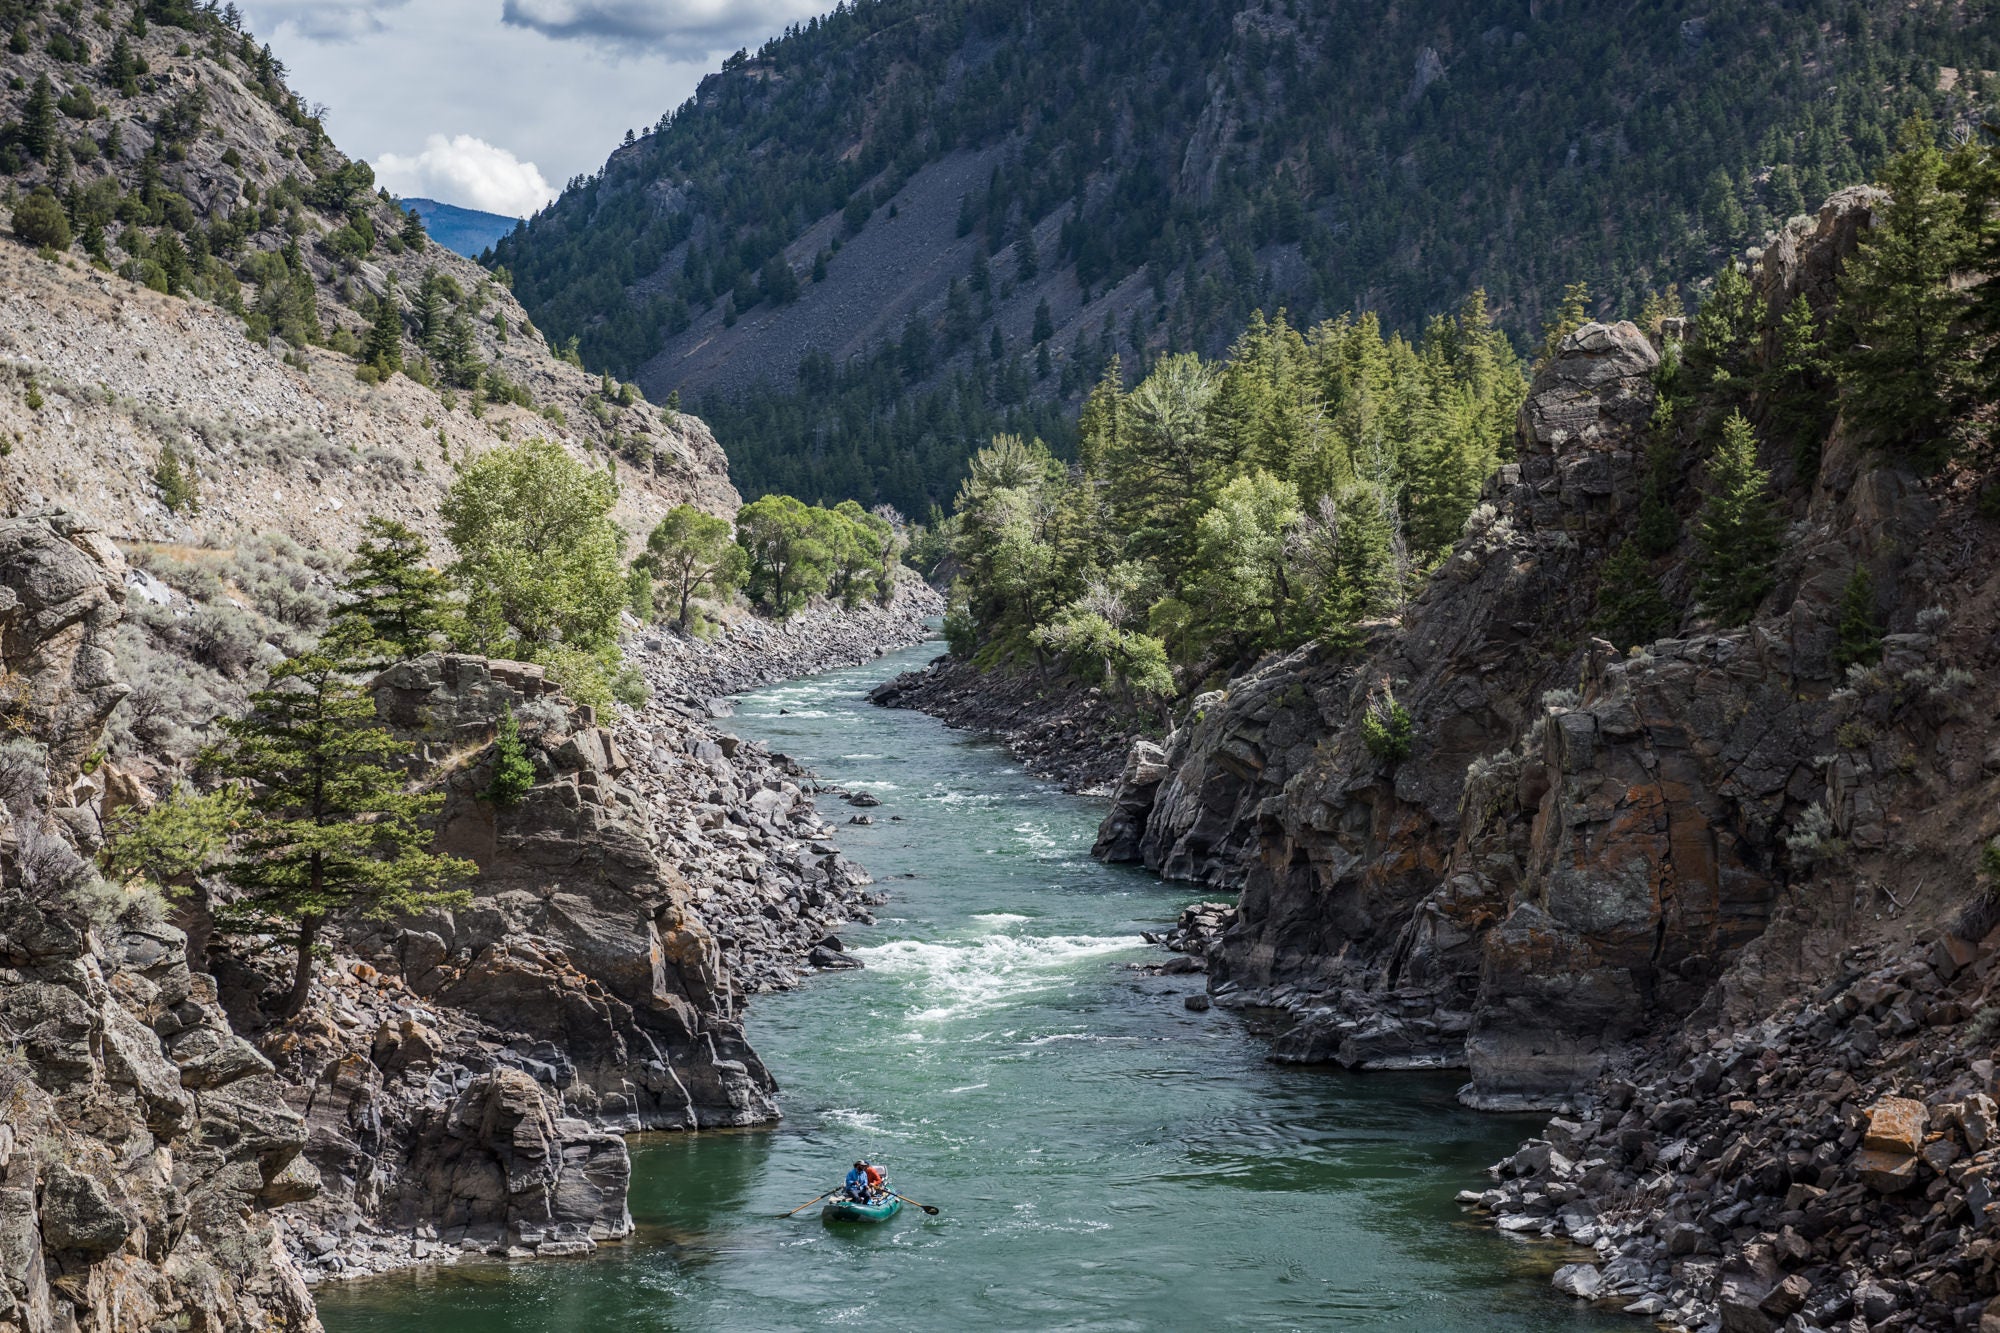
(691, 554)
(789, 557)
(394, 598)
(538, 555)
(1860, 625)
(1738, 528)
(334, 828)
(39, 221)
(1242, 576)
(1902, 376)
(1134, 663)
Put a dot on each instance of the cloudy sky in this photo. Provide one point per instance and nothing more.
(493, 104)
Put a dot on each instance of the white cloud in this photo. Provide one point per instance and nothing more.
(325, 20)
(685, 28)
(469, 172)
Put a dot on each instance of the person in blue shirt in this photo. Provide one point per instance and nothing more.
(856, 1185)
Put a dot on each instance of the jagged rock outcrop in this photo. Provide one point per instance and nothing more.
(1578, 844)
(465, 1075)
(142, 1143)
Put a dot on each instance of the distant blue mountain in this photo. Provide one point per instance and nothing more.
(465, 230)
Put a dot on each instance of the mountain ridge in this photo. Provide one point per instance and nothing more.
(1177, 167)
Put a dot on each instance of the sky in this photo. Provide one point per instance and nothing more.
(494, 104)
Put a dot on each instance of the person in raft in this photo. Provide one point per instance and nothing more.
(856, 1185)
(878, 1180)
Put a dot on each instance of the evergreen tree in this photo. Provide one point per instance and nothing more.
(513, 772)
(1902, 377)
(1571, 315)
(38, 119)
(333, 829)
(1659, 529)
(1725, 323)
(383, 348)
(395, 601)
(1798, 388)
(1045, 324)
(413, 231)
(1860, 626)
(121, 67)
(178, 489)
(1738, 528)
(1630, 607)
(430, 314)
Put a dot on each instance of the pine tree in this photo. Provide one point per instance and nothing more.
(413, 231)
(395, 601)
(430, 315)
(1738, 528)
(1902, 377)
(121, 67)
(1860, 628)
(1630, 607)
(383, 348)
(1798, 389)
(38, 119)
(1571, 315)
(1045, 324)
(1724, 324)
(334, 827)
(513, 774)
(176, 484)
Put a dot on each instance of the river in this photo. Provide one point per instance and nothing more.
(1104, 1159)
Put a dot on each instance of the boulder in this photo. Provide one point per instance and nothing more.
(1583, 1281)
(1896, 1125)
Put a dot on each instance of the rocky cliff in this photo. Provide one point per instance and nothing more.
(143, 1145)
(1663, 890)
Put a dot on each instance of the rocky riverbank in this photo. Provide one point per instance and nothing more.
(458, 1082)
(1832, 1167)
(1058, 730)
(478, 1067)
(744, 651)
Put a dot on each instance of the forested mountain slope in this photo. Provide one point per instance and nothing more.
(905, 226)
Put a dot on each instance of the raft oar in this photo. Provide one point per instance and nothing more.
(807, 1204)
(914, 1204)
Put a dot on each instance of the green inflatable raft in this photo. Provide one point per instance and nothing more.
(851, 1210)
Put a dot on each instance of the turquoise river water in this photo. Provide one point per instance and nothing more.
(1104, 1159)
